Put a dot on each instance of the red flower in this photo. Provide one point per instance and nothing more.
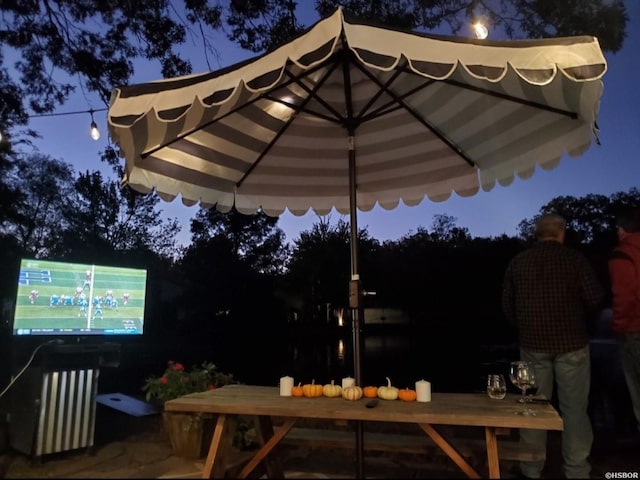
(176, 381)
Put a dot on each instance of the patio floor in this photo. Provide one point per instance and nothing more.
(137, 447)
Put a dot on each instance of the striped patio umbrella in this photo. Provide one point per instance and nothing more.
(349, 115)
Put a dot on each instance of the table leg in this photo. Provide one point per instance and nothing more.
(214, 464)
(492, 452)
(264, 429)
(451, 452)
(267, 447)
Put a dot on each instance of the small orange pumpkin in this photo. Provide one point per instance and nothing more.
(370, 392)
(297, 391)
(407, 395)
(312, 389)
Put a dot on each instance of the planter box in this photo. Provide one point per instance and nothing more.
(190, 433)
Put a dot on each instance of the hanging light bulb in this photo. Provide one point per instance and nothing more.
(480, 30)
(95, 133)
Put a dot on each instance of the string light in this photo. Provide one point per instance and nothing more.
(1, 115)
(94, 132)
(480, 30)
(93, 128)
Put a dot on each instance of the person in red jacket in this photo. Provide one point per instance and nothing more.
(624, 272)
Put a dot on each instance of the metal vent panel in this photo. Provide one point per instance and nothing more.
(67, 411)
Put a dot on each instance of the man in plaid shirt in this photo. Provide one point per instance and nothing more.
(548, 292)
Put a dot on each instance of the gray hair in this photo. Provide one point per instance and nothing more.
(550, 225)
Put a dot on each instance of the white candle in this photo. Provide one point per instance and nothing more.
(286, 384)
(348, 382)
(423, 391)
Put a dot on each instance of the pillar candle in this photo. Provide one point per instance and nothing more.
(423, 391)
(348, 382)
(286, 384)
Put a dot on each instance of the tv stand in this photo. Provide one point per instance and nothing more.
(53, 402)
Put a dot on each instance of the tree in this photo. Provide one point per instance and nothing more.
(262, 25)
(104, 218)
(591, 224)
(59, 214)
(97, 41)
(590, 219)
(319, 269)
(230, 272)
(604, 19)
(45, 187)
(255, 239)
(444, 229)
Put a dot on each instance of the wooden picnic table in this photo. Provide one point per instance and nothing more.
(461, 409)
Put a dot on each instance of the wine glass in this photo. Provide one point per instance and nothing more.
(523, 376)
(496, 386)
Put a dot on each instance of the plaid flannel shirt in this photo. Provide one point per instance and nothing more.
(548, 291)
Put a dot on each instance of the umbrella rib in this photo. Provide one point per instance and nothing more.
(503, 96)
(393, 106)
(375, 97)
(320, 100)
(421, 120)
(298, 109)
(235, 110)
(198, 128)
(279, 133)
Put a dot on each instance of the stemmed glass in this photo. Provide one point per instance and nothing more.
(523, 376)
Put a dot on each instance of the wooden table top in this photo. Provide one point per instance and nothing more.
(471, 409)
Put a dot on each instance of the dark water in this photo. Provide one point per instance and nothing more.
(400, 356)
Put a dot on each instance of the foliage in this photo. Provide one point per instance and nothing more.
(319, 269)
(604, 19)
(45, 187)
(98, 41)
(56, 213)
(444, 229)
(123, 218)
(262, 25)
(176, 381)
(589, 219)
(254, 239)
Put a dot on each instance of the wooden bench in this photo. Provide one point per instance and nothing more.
(472, 448)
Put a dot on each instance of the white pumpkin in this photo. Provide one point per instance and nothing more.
(332, 390)
(352, 393)
(388, 392)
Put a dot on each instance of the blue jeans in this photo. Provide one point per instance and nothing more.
(572, 374)
(630, 357)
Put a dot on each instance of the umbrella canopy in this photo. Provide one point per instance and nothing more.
(425, 116)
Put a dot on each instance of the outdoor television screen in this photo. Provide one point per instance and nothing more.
(59, 298)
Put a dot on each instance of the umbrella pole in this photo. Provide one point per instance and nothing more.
(354, 298)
